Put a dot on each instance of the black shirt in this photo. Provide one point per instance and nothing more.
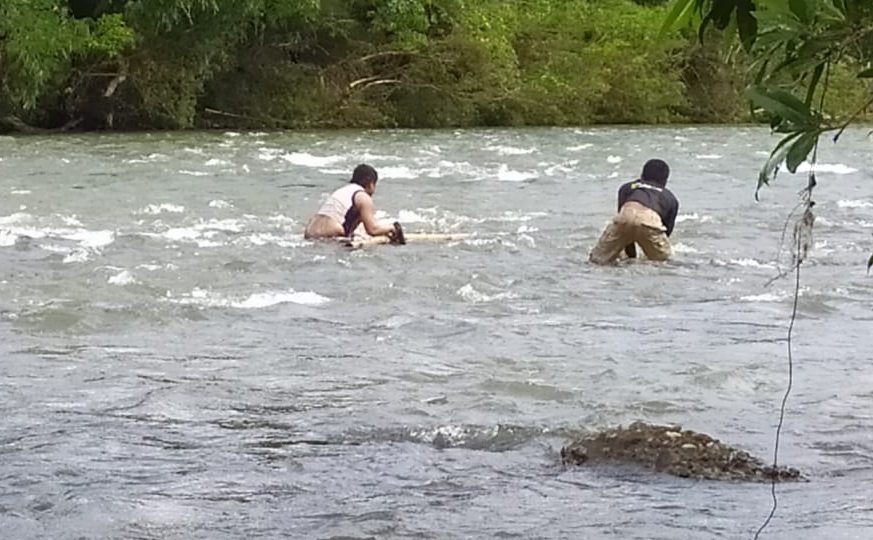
(654, 197)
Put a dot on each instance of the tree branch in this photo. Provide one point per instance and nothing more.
(385, 54)
(367, 82)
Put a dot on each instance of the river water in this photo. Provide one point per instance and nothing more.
(178, 363)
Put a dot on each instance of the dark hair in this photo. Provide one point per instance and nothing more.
(364, 174)
(656, 171)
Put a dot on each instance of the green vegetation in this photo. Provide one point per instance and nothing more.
(808, 64)
(170, 64)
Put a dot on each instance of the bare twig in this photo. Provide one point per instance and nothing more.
(113, 85)
(367, 82)
(852, 118)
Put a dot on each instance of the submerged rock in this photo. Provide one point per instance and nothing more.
(672, 450)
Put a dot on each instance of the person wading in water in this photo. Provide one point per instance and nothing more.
(646, 215)
(350, 206)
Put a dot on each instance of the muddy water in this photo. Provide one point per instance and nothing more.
(178, 363)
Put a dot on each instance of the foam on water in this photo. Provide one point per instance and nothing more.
(154, 209)
(284, 221)
(397, 172)
(821, 221)
(87, 238)
(854, 204)
(187, 172)
(470, 294)
(151, 158)
(77, 256)
(262, 300)
(218, 203)
(505, 174)
(410, 216)
(684, 248)
(215, 162)
(708, 156)
(561, 168)
(13, 219)
(579, 147)
(681, 218)
(306, 159)
(269, 154)
(72, 221)
(369, 157)
(751, 263)
(122, 278)
(744, 262)
(766, 297)
(202, 233)
(510, 150)
(7, 238)
(205, 298)
(614, 159)
(511, 216)
(832, 168)
(25, 225)
(264, 239)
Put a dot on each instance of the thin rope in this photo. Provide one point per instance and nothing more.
(787, 392)
(806, 220)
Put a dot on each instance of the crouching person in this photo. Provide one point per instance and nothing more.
(646, 215)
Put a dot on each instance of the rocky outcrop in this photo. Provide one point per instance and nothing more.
(672, 450)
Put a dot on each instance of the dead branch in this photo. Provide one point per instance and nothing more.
(386, 54)
(113, 85)
(367, 82)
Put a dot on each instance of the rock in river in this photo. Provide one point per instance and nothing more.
(672, 450)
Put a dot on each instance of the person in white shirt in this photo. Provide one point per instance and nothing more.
(348, 207)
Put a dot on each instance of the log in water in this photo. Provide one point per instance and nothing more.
(411, 238)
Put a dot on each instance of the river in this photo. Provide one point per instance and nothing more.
(178, 363)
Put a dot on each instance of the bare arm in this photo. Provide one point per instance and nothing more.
(368, 216)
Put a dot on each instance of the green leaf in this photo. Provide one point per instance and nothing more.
(777, 156)
(839, 6)
(866, 74)
(747, 25)
(802, 9)
(813, 83)
(783, 104)
(800, 149)
(719, 14)
(678, 17)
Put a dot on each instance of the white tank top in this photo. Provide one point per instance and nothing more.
(340, 206)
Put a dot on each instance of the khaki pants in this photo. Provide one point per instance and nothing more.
(634, 224)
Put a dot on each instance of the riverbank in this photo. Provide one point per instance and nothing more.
(366, 64)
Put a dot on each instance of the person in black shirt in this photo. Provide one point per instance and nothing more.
(646, 216)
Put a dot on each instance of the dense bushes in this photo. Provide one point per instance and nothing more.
(134, 64)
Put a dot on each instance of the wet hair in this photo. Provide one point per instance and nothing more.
(656, 171)
(364, 174)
